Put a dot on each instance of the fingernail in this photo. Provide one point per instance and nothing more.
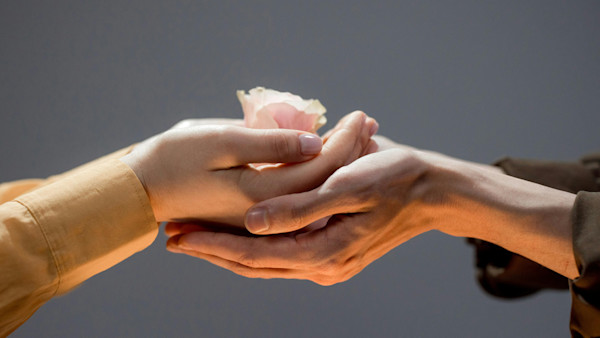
(183, 244)
(374, 128)
(257, 220)
(171, 247)
(310, 144)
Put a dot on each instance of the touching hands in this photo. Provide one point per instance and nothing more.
(202, 172)
(378, 202)
(364, 226)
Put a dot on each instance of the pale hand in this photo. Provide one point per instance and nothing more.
(201, 172)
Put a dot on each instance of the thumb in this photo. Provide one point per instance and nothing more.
(274, 146)
(292, 212)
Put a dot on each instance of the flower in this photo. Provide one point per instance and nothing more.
(270, 109)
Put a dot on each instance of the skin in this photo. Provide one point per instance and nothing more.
(379, 202)
(201, 170)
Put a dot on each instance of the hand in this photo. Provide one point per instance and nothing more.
(380, 201)
(365, 198)
(202, 172)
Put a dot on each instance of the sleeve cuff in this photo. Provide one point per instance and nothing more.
(572, 177)
(92, 219)
(82, 168)
(585, 290)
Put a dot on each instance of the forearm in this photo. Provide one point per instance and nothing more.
(57, 236)
(475, 200)
(523, 217)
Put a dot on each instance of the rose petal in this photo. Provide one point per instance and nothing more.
(268, 109)
(289, 117)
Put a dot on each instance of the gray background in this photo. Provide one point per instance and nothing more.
(473, 79)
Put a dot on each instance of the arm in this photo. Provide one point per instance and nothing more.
(583, 178)
(81, 223)
(10, 190)
(382, 200)
(58, 235)
(40, 257)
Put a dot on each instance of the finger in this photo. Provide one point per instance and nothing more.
(348, 142)
(373, 126)
(181, 227)
(321, 260)
(370, 123)
(256, 252)
(337, 127)
(243, 270)
(326, 136)
(269, 145)
(172, 228)
(372, 147)
(343, 147)
(295, 211)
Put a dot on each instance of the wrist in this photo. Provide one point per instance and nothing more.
(425, 204)
(135, 161)
(444, 191)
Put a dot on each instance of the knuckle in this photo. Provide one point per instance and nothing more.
(223, 133)
(352, 261)
(247, 260)
(341, 179)
(350, 187)
(283, 146)
(244, 271)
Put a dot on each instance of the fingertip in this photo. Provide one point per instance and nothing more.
(355, 122)
(310, 144)
(172, 229)
(257, 220)
(371, 148)
(361, 114)
(373, 126)
(173, 244)
(185, 242)
(353, 117)
(287, 213)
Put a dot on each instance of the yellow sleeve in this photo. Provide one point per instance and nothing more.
(11, 190)
(66, 230)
